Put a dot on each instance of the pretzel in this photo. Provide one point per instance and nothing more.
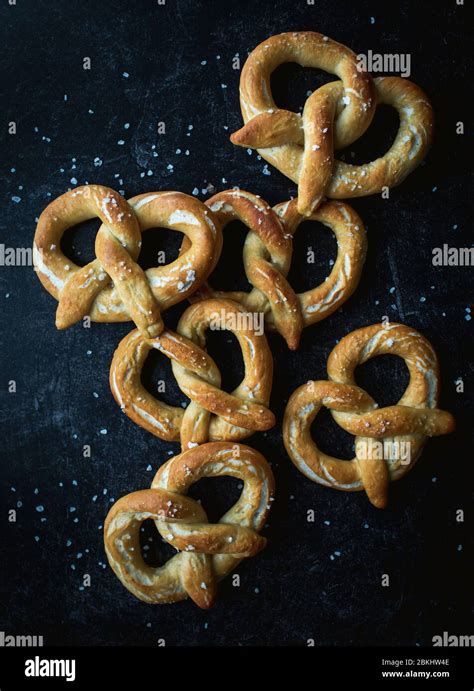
(207, 551)
(212, 414)
(334, 116)
(112, 287)
(267, 259)
(414, 418)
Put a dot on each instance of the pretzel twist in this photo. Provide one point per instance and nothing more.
(414, 418)
(213, 414)
(207, 552)
(267, 258)
(334, 116)
(113, 287)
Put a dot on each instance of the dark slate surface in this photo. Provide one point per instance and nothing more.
(318, 580)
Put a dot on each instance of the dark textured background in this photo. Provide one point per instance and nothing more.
(298, 588)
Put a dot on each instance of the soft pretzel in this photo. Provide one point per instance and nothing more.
(113, 288)
(207, 552)
(267, 259)
(212, 414)
(414, 418)
(334, 116)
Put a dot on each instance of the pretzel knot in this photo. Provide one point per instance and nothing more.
(334, 116)
(402, 427)
(267, 258)
(113, 287)
(207, 552)
(212, 414)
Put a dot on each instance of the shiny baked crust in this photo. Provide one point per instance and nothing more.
(212, 414)
(412, 420)
(334, 116)
(207, 552)
(267, 258)
(113, 287)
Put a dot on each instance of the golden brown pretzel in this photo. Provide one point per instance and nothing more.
(267, 259)
(212, 414)
(414, 418)
(113, 287)
(207, 552)
(334, 116)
